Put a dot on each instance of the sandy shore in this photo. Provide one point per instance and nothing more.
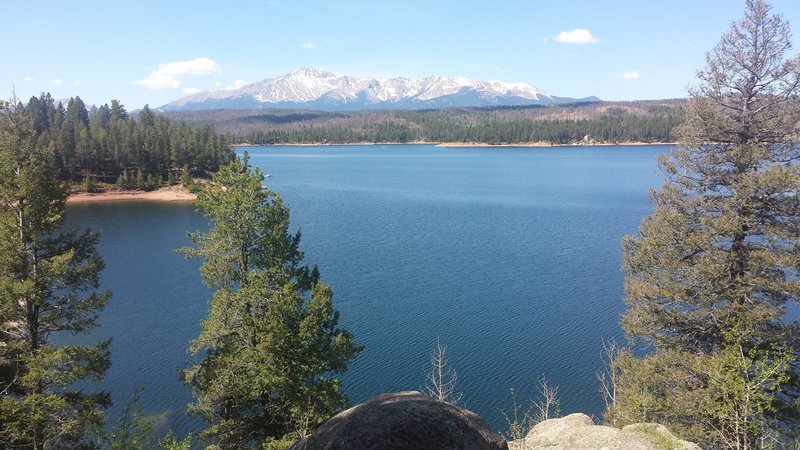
(328, 144)
(165, 194)
(548, 144)
(465, 144)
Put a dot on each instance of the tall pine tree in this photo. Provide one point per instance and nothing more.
(270, 344)
(716, 265)
(47, 282)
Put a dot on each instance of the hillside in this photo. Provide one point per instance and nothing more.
(639, 121)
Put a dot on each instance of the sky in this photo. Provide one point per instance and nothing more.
(152, 52)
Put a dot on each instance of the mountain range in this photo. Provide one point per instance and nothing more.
(315, 88)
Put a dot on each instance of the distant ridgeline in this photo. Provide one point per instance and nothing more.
(607, 122)
(106, 144)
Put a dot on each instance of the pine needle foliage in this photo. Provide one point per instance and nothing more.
(271, 345)
(710, 276)
(48, 279)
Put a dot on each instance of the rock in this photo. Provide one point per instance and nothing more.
(577, 431)
(405, 420)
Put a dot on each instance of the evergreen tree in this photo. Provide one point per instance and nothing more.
(147, 117)
(271, 343)
(105, 141)
(139, 181)
(118, 111)
(186, 176)
(715, 266)
(47, 279)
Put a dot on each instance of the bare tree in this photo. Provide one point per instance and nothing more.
(519, 421)
(607, 376)
(522, 419)
(441, 381)
(547, 402)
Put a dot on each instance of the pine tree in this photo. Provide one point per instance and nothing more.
(47, 282)
(186, 176)
(139, 181)
(710, 276)
(271, 343)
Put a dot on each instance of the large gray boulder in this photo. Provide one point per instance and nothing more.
(577, 431)
(405, 420)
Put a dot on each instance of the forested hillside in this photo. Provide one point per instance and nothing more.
(107, 144)
(642, 121)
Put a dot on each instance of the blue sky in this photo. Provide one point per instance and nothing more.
(152, 52)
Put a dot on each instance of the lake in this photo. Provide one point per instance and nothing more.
(509, 256)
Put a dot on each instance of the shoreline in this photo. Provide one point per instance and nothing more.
(165, 194)
(465, 144)
(328, 144)
(178, 193)
(548, 144)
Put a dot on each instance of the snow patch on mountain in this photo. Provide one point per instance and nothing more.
(318, 88)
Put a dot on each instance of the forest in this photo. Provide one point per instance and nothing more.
(603, 122)
(107, 144)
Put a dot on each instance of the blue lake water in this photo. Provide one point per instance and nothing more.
(510, 256)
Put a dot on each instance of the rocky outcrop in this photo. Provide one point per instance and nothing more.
(405, 420)
(577, 431)
(410, 420)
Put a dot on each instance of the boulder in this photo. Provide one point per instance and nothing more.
(578, 431)
(403, 420)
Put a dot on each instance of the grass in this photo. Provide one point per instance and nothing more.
(663, 441)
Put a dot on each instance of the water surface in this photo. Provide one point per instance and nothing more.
(509, 256)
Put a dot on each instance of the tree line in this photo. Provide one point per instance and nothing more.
(645, 121)
(110, 145)
(432, 127)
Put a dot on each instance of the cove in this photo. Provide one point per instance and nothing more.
(509, 256)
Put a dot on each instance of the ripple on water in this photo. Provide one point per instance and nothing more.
(509, 256)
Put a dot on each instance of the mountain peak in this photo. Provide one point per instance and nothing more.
(317, 72)
(318, 88)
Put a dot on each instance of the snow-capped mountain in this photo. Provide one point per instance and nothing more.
(315, 88)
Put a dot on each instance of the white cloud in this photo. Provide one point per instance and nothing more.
(170, 75)
(307, 45)
(630, 75)
(77, 82)
(191, 90)
(28, 78)
(218, 84)
(57, 82)
(576, 36)
(235, 85)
